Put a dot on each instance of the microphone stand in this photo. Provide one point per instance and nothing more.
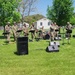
(63, 36)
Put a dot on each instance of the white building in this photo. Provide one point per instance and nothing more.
(43, 22)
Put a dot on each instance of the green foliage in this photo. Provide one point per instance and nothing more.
(72, 20)
(16, 16)
(33, 18)
(61, 11)
(7, 7)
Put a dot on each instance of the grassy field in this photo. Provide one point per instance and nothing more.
(38, 61)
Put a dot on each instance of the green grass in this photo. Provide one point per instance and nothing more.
(38, 61)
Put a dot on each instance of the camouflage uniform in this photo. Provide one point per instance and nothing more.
(25, 30)
(32, 28)
(68, 28)
(42, 33)
(8, 30)
(56, 28)
(52, 32)
(14, 30)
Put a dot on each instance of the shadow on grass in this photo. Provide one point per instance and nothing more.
(16, 53)
(6, 42)
(38, 39)
(66, 43)
(2, 37)
(21, 53)
(30, 40)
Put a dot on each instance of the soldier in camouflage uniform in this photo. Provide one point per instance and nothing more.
(68, 26)
(25, 30)
(32, 28)
(52, 32)
(8, 31)
(68, 30)
(14, 30)
(42, 32)
(56, 28)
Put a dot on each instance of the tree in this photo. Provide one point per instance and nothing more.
(7, 8)
(72, 20)
(61, 11)
(26, 7)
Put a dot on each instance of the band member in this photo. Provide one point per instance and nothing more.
(42, 32)
(8, 30)
(36, 32)
(52, 32)
(25, 30)
(56, 28)
(14, 30)
(68, 26)
(68, 29)
(32, 29)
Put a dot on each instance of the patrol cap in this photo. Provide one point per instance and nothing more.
(14, 22)
(8, 22)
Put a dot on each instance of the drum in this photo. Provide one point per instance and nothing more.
(5, 33)
(56, 30)
(69, 31)
(40, 31)
(32, 31)
(18, 30)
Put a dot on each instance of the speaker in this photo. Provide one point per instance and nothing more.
(53, 48)
(22, 45)
(55, 43)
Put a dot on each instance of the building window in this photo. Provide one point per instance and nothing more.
(40, 23)
(48, 23)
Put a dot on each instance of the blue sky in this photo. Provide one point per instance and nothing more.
(41, 6)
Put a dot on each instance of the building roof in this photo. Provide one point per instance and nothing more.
(43, 19)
